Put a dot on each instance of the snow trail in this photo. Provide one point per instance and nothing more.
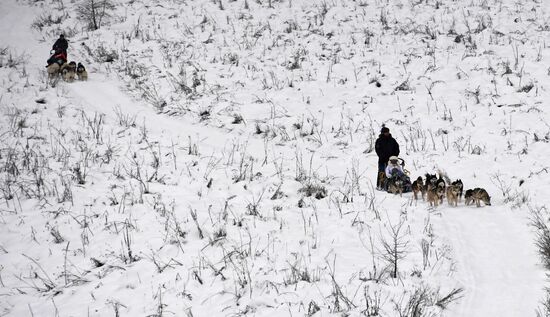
(493, 245)
(497, 262)
(494, 257)
(110, 98)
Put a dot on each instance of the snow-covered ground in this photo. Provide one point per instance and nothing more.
(219, 160)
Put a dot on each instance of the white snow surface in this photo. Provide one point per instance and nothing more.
(227, 111)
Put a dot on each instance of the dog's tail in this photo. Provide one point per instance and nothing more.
(445, 177)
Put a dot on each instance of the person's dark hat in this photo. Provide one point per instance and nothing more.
(61, 36)
(384, 130)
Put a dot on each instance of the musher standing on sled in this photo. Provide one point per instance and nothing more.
(385, 146)
(60, 51)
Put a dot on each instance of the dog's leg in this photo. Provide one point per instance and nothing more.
(379, 180)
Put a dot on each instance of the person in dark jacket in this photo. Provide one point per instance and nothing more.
(61, 44)
(385, 146)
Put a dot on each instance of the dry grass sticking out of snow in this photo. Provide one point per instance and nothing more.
(220, 160)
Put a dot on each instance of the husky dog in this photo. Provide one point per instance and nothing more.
(418, 186)
(381, 180)
(69, 72)
(431, 189)
(433, 195)
(452, 195)
(440, 182)
(53, 70)
(480, 195)
(469, 196)
(458, 183)
(477, 195)
(81, 72)
(396, 187)
(431, 180)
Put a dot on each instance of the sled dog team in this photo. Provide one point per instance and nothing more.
(68, 71)
(435, 189)
(393, 178)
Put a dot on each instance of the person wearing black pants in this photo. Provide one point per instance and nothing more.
(385, 147)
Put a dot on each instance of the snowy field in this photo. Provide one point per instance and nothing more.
(219, 161)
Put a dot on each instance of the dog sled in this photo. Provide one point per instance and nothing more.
(399, 182)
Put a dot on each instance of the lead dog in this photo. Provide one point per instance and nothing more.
(481, 195)
(477, 195)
